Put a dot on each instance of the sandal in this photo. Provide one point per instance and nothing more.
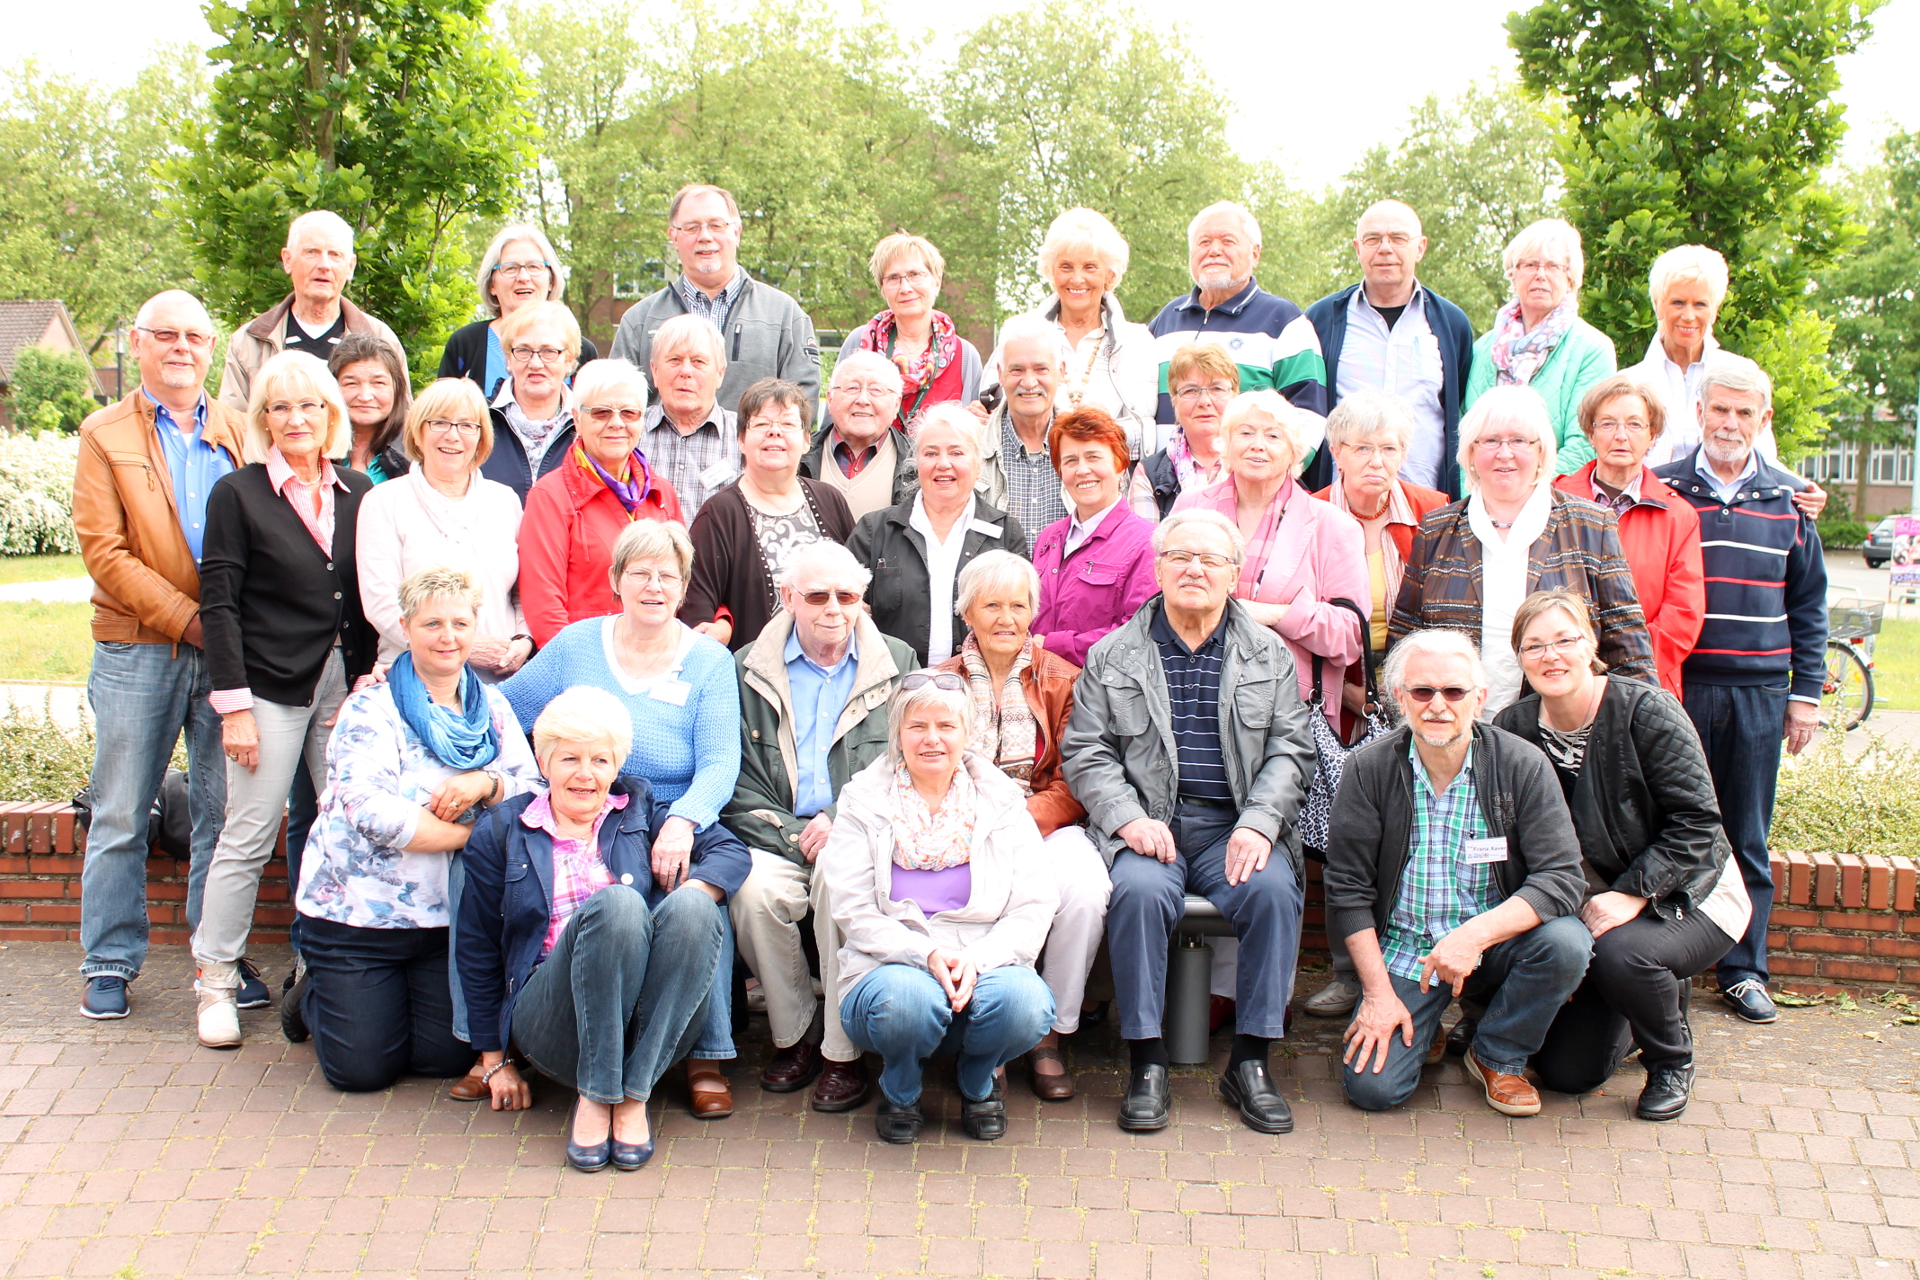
(1048, 1086)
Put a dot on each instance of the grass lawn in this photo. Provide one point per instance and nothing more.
(1896, 667)
(46, 641)
(40, 568)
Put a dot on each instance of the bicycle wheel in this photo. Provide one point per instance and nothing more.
(1846, 697)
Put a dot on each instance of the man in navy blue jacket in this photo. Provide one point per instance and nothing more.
(1756, 672)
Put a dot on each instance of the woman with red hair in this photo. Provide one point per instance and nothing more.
(1096, 566)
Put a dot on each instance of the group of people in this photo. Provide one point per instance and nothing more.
(573, 678)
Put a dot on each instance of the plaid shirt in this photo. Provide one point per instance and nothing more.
(683, 460)
(579, 871)
(713, 310)
(1439, 890)
(1033, 487)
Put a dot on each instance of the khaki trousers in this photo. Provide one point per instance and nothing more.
(767, 911)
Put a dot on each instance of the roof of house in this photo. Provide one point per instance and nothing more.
(24, 324)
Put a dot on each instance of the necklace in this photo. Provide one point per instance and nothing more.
(1076, 393)
(1498, 524)
(1369, 519)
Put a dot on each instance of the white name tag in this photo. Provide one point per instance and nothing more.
(1481, 852)
(981, 526)
(674, 692)
(717, 474)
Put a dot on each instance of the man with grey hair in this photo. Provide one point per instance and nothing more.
(813, 706)
(1453, 867)
(1757, 671)
(319, 260)
(687, 435)
(1269, 337)
(1189, 746)
(862, 453)
(1016, 453)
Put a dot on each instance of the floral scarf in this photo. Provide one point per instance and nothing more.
(920, 371)
(1004, 730)
(928, 841)
(633, 491)
(1518, 354)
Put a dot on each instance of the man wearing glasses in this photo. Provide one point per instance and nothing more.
(764, 332)
(813, 702)
(1189, 746)
(1453, 867)
(315, 316)
(863, 454)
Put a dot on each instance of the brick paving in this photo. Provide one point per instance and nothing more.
(127, 1150)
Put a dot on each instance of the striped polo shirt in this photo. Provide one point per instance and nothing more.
(1269, 338)
(1193, 692)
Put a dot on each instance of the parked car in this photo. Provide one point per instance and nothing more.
(1878, 548)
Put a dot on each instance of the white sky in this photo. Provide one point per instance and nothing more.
(1293, 69)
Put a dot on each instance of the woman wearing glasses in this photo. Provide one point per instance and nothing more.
(936, 363)
(577, 511)
(518, 269)
(1201, 379)
(533, 411)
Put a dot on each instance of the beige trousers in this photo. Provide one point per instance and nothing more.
(767, 911)
(1074, 938)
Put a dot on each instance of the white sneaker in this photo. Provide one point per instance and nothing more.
(219, 1017)
(1335, 1000)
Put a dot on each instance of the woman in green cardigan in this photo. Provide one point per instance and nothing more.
(1538, 339)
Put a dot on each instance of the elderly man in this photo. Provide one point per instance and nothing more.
(1756, 672)
(140, 510)
(863, 455)
(1391, 333)
(315, 316)
(767, 335)
(686, 436)
(1269, 337)
(1016, 458)
(1453, 866)
(813, 703)
(1190, 748)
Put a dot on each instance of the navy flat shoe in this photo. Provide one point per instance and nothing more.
(628, 1156)
(589, 1159)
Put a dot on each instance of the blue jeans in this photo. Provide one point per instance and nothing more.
(303, 810)
(901, 1013)
(143, 695)
(1740, 728)
(1524, 981)
(716, 1029)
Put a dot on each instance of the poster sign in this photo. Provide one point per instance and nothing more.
(1906, 551)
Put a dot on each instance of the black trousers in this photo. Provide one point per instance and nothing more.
(378, 1005)
(1635, 991)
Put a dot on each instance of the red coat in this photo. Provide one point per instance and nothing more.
(1422, 500)
(1661, 536)
(566, 546)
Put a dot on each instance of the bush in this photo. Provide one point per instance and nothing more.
(41, 761)
(36, 494)
(52, 390)
(1829, 803)
(1842, 533)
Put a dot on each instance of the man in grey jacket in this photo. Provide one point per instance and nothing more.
(765, 333)
(1191, 750)
(1452, 865)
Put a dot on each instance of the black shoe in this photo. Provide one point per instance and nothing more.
(1460, 1039)
(1750, 1002)
(897, 1124)
(253, 992)
(106, 997)
(1262, 1109)
(1149, 1100)
(1669, 1086)
(293, 1019)
(986, 1120)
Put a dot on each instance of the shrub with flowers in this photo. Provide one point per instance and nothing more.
(36, 493)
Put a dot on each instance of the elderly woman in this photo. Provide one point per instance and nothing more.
(937, 365)
(582, 941)
(938, 883)
(917, 548)
(682, 696)
(746, 533)
(518, 269)
(1624, 419)
(1096, 566)
(1201, 379)
(285, 640)
(1665, 897)
(1302, 554)
(533, 411)
(1538, 339)
(413, 761)
(1022, 695)
(1475, 560)
(445, 512)
(373, 386)
(578, 511)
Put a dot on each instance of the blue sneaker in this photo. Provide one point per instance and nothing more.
(253, 992)
(106, 997)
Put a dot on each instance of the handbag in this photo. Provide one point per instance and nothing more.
(1317, 813)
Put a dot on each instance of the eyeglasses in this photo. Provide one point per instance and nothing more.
(1621, 426)
(651, 578)
(947, 680)
(1365, 453)
(818, 599)
(534, 269)
(307, 408)
(1217, 391)
(1398, 239)
(545, 355)
(167, 337)
(1208, 560)
(898, 278)
(1540, 267)
(447, 427)
(1426, 692)
(1513, 444)
(1541, 648)
(870, 390)
(715, 227)
(602, 414)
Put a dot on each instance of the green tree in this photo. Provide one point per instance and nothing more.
(1873, 294)
(52, 390)
(405, 117)
(1705, 123)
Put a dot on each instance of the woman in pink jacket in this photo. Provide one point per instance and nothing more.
(1302, 553)
(1096, 566)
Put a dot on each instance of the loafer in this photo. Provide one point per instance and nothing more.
(1437, 1053)
(986, 1120)
(897, 1125)
(843, 1086)
(712, 1096)
(1049, 1086)
(1669, 1089)
(253, 992)
(1460, 1039)
(1750, 1002)
(218, 1020)
(1335, 1000)
(470, 1087)
(1148, 1103)
(1510, 1095)
(106, 997)
(792, 1068)
(1262, 1109)
(293, 1016)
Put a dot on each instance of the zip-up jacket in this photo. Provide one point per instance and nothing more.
(767, 335)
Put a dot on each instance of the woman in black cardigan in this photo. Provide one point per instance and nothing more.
(519, 267)
(286, 639)
(746, 532)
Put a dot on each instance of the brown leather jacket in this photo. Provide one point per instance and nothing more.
(146, 587)
(1049, 685)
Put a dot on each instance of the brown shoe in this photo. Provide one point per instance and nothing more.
(843, 1086)
(470, 1087)
(712, 1095)
(792, 1068)
(1509, 1095)
(1438, 1053)
(1048, 1086)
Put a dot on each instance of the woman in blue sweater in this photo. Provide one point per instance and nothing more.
(680, 688)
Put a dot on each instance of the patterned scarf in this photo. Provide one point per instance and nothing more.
(1004, 731)
(1517, 353)
(920, 371)
(928, 841)
(1399, 511)
(633, 491)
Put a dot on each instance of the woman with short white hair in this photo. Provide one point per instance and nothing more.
(518, 268)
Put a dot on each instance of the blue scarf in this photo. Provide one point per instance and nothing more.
(463, 740)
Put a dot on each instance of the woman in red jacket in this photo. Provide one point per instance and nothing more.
(576, 512)
(1658, 530)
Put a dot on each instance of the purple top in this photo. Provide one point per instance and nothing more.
(935, 891)
(1101, 585)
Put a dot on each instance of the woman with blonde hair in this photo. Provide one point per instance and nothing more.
(937, 364)
(533, 426)
(518, 268)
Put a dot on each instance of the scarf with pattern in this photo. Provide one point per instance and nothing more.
(633, 491)
(1004, 729)
(1517, 353)
(919, 372)
(928, 841)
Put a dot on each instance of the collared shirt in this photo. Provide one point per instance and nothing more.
(698, 463)
(1439, 889)
(297, 491)
(536, 437)
(1033, 486)
(195, 466)
(1628, 496)
(852, 464)
(579, 870)
(714, 310)
(1078, 530)
(1726, 490)
(1404, 359)
(819, 696)
(943, 566)
(1193, 693)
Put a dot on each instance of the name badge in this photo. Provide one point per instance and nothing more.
(1481, 852)
(981, 526)
(674, 693)
(717, 474)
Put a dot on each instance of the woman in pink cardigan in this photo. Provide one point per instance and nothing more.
(1095, 566)
(1302, 552)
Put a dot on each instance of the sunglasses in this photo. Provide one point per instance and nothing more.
(1426, 692)
(847, 599)
(948, 680)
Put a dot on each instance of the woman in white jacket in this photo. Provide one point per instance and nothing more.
(943, 894)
